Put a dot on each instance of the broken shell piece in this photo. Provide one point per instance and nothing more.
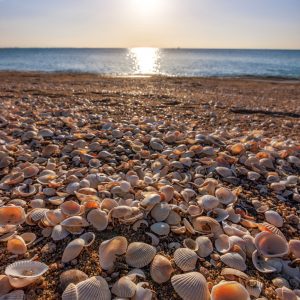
(261, 264)
(190, 244)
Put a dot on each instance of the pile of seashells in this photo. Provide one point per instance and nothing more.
(62, 179)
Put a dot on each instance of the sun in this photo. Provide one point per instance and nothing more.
(146, 6)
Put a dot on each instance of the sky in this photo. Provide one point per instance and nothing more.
(272, 24)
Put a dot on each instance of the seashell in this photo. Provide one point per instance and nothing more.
(280, 282)
(50, 150)
(219, 214)
(37, 203)
(17, 202)
(139, 254)
(28, 237)
(237, 149)
(30, 171)
(271, 245)
(294, 248)
(285, 293)
(230, 274)
(274, 218)
(121, 212)
(270, 228)
(94, 288)
(25, 190)
(167, 193)
(7, 236)
(185, 259)
(150, 200)
(261, 264)
(222, 243)
(94, 163)
(234, 260)
(98, 219)
(208, 187)
(70, 208)
(70, 292)
(234, 229)
(11, 215)
(173, 218)
(138, 223)
(154, 239)
(108, 204)
(14, 178)
(136, 273)
(160, 228)
(142, 293)
(253, 176)
(188, 226)
(194, 210)
(191, 286)
(161, 269)
(125, 186)
(190, 244)
(14, 295)
(249, 245)
(16, 245)
(188, 194)
(225, 196)
(208, 202)
(109, 249)
(223, 171)
(229, 290)
(207, 225)
(72, 250)
(254, 288)
(74, 221)
(232, 216)
(7, 228)
(24, 272)
(89, 238)
(124, 287)
(59, 233)
(160, 211)
(5, 286)
(56, 200)
(71, 276)
(86, 194)
(205, 246)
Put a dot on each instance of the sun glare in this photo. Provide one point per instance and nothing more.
(146, 60)
(146, 6)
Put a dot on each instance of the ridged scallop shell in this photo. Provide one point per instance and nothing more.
(161, 269)
(72, 250)
(160, 228)
(294, 248)
(271, 245)
(12, 215)
(185, 259)
(94, 288)
(222, 243)
(207, 225)
(71, 276)
(261, 264)
(139, 254)
(208, 202)
(191, 286)
(160, 211)
(205, 246)
(16, 245)
(23, 272)
(109, 249)
(230, 274)
(59, 233)
(225, 196)
(70, 208)
(5, 286)
(254, 288)
(89, 238)
(14, 295)
(70, 292)
(274, 218)
(234, 260)
(124, 288)
(270, 228)
(98, 218)
(227, 290)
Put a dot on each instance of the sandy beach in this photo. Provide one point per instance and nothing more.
(81, 124)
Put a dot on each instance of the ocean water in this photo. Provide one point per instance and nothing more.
(154, 61)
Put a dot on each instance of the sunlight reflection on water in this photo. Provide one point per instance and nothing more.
(145, 60)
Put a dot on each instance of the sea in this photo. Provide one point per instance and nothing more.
(155, 61)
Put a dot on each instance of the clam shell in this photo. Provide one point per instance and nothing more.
(161, 269)
(294, 248)
(54, 217)
(207, 225)
(124, 288)
(160, 228)
(225, 196)
(12, 215)
(229, 290)
(219, 214)
(70, 208)
(109, 249)
(16, 245)
(160, 211)
(5, 286)
(191, 286)
(139, 254)
(205, 246)
(72, 250)
(94, 288)
(108, 204)
(185, 259)
(59, 233)
(75, 221)
(261, 264)
(285, 293)
(28, 237)
(222, 243)
(5, 237)
(150, 200)
(274, 218)
(234, 229)
(271, 245)
(71, 276)
(173, 218)
(88, 237)
(23, 272)
(167, 193)
(190, 244)
(234, 260)
(70, 292)
(98, 219)
(208, 202)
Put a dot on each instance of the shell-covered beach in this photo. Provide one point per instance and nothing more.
(149, 187)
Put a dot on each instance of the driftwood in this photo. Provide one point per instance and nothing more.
(264, 112)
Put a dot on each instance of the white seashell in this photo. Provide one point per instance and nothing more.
(167, 193)
(160, 228)
(160, 211)
(28, 237)
(125, 186)
(207, 225)
(205, 246)
(208, 202)
(190, 244)
(222, 243)
(226, 290)
(234, 260)
(254, 288)
(150, 200)
(124, 287)
(98, 219)
(285, 293)
(261, 264)
(142, 293)
(225, 196)
(139, 254)
(274, 218)
(70, 292)
(24, 272)
(109, 249)
(72, 250)
(73, 276)
(191, 286)
(173, 218)
(185, 259)
(154, 238)
(161, 269)
(234, 229)
(89, 238)
(59, 233)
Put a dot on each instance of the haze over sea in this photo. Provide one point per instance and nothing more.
(154, 61)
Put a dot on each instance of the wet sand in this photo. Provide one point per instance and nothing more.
(195, 104)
